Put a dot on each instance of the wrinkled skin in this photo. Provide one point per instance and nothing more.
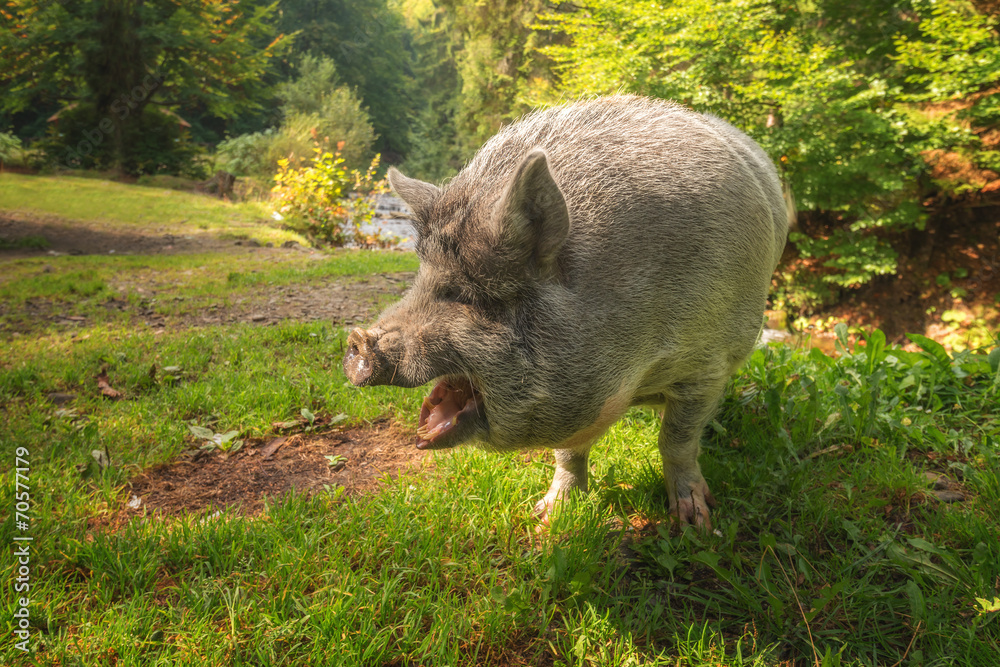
(591, 257)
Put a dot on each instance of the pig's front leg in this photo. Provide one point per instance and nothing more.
(571, 474)
(684, 419)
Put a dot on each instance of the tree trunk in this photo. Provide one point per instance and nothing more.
(116, 74)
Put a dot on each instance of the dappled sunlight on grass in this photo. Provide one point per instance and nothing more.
(829, 539)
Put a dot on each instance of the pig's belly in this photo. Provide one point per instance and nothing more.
(611, 411)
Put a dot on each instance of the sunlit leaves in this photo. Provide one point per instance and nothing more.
(957, 53)
(325, 200)
(830, 110)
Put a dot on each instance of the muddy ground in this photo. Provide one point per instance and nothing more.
(357, 460)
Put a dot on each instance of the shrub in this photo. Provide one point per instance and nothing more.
(10, 148)
(247, 154)
(317, 112)
(327, 202)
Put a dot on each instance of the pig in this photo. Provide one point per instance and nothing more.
(590, 257)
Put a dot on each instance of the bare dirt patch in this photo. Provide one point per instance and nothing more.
(341, 301)
(73, 238)
(269, 468)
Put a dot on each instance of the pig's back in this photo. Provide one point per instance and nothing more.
(632, 167)
(667, 206)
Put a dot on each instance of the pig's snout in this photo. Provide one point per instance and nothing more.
(363, 360)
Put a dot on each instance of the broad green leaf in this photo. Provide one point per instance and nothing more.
(201, 432)
(933, 348)
(994, 359)
(987, 607)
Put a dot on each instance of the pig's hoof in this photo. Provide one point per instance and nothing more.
(544, 508)
(691, 508)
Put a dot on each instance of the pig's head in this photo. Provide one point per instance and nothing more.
(487, 251)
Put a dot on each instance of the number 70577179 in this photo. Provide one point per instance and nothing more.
(21, 495)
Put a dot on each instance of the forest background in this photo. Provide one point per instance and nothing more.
(882, 116)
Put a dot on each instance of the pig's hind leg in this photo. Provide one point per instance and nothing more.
(688, 409)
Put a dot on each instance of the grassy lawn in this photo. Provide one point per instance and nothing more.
(107, 204)
(829, 536)
(832, 544)
(829, 541)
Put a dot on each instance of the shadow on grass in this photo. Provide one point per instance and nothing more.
(25, 237)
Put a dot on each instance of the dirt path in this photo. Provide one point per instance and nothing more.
(340, 301)
(141, 296)
(59, 237)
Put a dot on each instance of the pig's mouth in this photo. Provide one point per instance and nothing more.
(450, 414)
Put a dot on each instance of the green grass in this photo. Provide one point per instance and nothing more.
(830, 547)
(26, 243)
(121, 206)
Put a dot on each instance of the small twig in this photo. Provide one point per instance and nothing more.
(916, 631)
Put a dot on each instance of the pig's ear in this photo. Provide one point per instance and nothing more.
(532, 217)
(418, 195)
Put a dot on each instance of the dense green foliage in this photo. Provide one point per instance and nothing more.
(843, 111)
(367, 41)
(478, 66)
(152, 143)
(113, 58)
(494, 63)
(10, 146)
(316, 113)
